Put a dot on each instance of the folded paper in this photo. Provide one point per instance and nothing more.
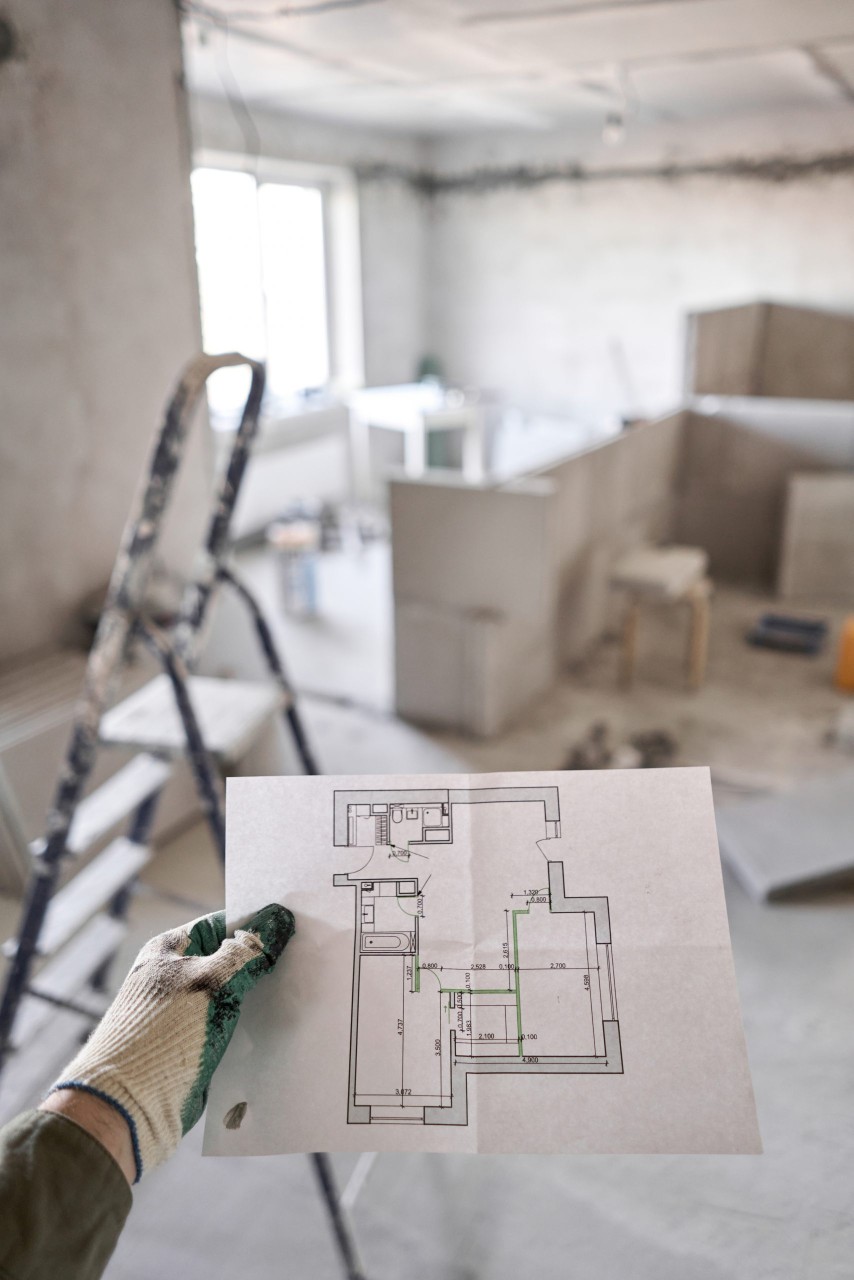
(531, 962)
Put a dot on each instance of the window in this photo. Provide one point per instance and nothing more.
(262, 265)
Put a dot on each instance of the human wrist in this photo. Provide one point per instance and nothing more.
(150, 1059)
(100, 1119)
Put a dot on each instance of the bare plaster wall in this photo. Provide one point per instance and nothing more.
(99, 296)
(392, 217)
(561, 271)
(730, 495)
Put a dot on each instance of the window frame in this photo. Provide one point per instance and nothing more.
(341, 251)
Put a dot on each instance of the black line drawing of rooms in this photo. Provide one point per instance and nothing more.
(540, 999)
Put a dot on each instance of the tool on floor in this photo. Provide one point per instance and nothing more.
(789, 633)
(598, 749)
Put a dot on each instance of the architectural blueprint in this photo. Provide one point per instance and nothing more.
(507, 962)
(543, 1001)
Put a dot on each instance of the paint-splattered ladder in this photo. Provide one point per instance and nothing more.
(76, 926)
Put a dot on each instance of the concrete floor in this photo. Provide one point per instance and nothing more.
(783, 1216)
(760, 718)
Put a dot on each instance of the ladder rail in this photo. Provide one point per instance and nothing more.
(118, 619)
(339, 1224)
(133, 566)
(119, 625)
(275, 665)
(198, 593)
(201, 764)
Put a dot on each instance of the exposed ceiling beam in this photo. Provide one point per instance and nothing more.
(570, 71)
(472, 67)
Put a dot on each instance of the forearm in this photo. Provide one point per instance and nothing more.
(99, 1119)
(63, 1199)
(121, 1106)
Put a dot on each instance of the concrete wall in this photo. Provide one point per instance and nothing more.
(817, 553)
(307, 454)
(561, 270)
(475, 596)
(607, 500)
(730, 496)
(98, 281)
(392, 219)
(495, 587)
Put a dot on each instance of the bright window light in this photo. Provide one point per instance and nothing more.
(262, 280)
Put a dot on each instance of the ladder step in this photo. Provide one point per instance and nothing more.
(230, 713)
(66, 975)
(87, 892)
(116, 799)
(29, 1073)
(36, 1016)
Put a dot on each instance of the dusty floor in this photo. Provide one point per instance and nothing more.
(761, 718)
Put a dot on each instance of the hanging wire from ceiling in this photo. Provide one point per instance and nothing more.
(237, 104)
(230, 23)
(198, 9)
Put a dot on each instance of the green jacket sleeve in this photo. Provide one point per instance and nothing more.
(63, 1200)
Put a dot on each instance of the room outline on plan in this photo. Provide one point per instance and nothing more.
(429, 1009)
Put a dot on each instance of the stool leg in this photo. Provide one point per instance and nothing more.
(630, 637)
(699, 640)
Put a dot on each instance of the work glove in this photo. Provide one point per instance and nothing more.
(154, 1052)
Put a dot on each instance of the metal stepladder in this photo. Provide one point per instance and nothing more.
(68, 923)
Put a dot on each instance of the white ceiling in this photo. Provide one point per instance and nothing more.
(438, 66)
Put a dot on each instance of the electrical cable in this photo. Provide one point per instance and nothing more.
(237, 103)
(198, 9)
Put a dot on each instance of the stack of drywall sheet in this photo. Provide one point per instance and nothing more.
(474, 601)
(817, 555)
(731, 493)
(494, 586)
(775, 844)
(765, 349)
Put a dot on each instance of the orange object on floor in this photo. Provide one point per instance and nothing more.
(845, 661)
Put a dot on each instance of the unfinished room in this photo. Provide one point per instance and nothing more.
(427, 639)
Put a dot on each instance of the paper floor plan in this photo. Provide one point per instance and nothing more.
(531, 990)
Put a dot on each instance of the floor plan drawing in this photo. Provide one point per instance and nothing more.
(529, 962)
(435, 1000)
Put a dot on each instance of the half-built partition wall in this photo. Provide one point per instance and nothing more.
(496, 588)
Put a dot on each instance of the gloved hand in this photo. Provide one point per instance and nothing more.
(154, 1052)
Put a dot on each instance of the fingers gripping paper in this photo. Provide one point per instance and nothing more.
(533, 962)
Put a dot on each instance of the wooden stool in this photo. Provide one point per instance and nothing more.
(674, 575)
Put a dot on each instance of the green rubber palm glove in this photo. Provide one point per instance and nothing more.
(154, 1052)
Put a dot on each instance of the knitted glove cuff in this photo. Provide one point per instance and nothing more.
(152, 1055)
(118, 1106)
